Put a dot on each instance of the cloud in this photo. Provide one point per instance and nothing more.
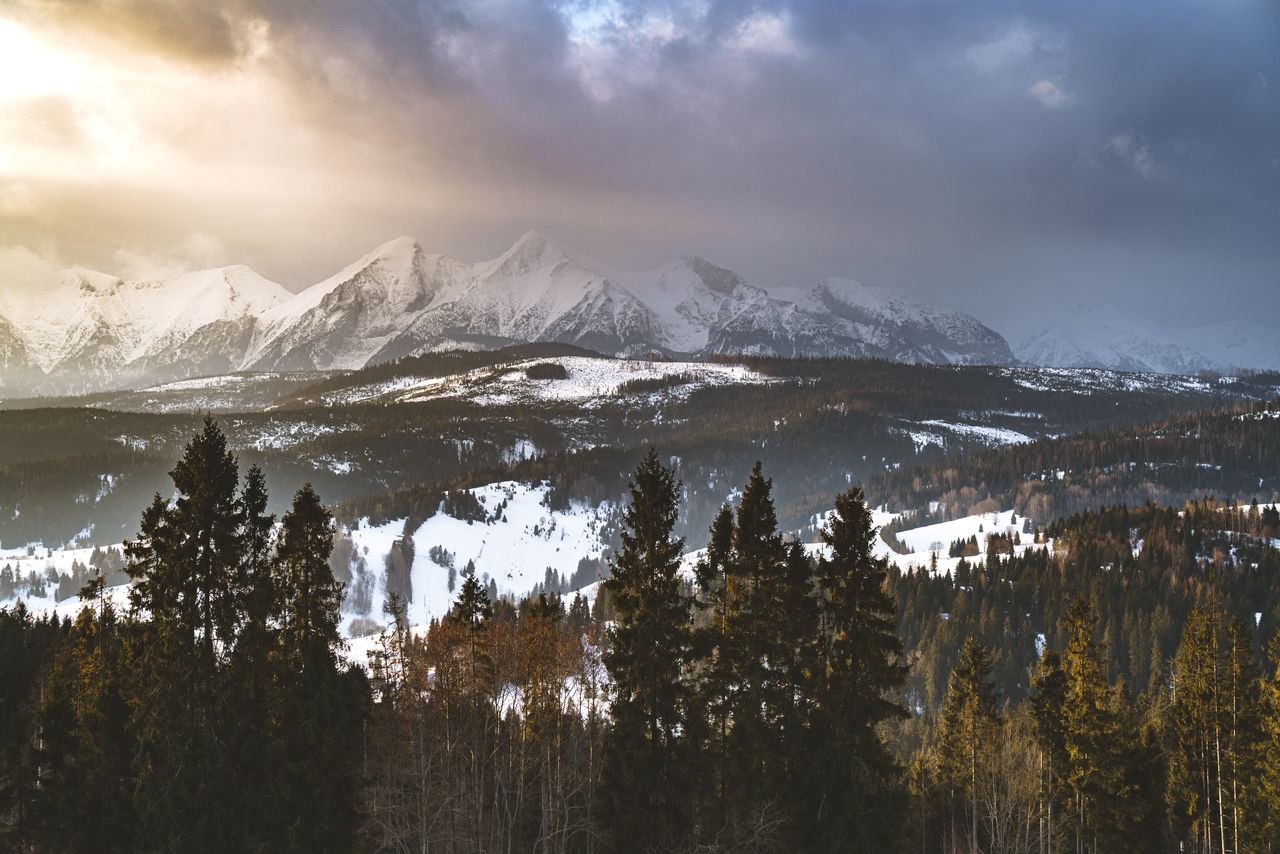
(214, 32)
(1050, 94)
(23, 276)
(764, 33)
(17, 200)
(789, 139)
(1015, 45)
(196, 252)
(1132, 148)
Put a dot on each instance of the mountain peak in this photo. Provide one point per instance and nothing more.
(397, 248)
(719, 279)
(532, 250)
(532, 242)
(531, 236)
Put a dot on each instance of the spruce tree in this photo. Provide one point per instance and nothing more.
(755, 576)
(85, 749)
(322, 707)
(473, 608)
(474, 611)
(859, 667)
(708, 717)
(646, 785)
(189, 586)
(254, 668)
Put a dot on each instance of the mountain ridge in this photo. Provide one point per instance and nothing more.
(93, 331)
(1096, 337)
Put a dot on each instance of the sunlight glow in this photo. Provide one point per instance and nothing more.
(30, 68)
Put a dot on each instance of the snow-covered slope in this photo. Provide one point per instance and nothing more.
(517, 546)
(535, 291)
(346, 319)
(514, 548)
(588, 381)
(1094, 338)
(877, 322)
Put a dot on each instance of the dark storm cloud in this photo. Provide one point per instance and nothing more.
(970, 152)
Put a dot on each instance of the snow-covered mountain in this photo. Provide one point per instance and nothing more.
(1095, 338)
(538, 291)
(90, 331)
(342, 322)
(86, 331)
(535, 291)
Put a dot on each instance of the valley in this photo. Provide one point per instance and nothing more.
(539, 440)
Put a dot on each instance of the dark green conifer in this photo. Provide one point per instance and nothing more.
(645, 806)
(858, 670)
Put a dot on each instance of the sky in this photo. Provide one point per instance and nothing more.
(1010, 159)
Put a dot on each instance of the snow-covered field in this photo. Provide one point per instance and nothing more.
(938, 435)
(590, 382)
(513, 550)
(42, 561)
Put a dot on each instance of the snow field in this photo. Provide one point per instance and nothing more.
(591, 382)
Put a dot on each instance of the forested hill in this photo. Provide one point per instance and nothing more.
(1228, 453)
(1143, 567)
(390, 439)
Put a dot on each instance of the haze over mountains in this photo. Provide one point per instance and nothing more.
(1092, 337)
(90, 331)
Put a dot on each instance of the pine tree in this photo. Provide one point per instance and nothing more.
(647, 788)
(1192, 720)
(188, 571)
(859, 667)
(1048, 701)
(322, 707)
(1269, 755)
(755, 655)
(967, 723)
(254, 668)
(1099, 742)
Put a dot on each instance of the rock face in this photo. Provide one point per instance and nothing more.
(91, 331)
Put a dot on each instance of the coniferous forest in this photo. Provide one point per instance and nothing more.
(1116, 693)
